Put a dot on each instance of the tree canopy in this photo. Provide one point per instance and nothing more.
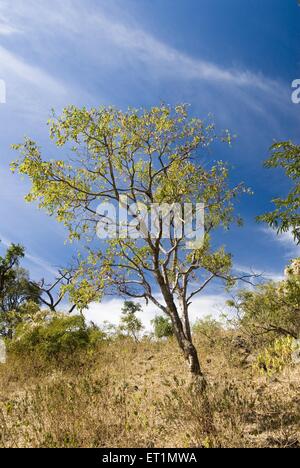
(152, 156)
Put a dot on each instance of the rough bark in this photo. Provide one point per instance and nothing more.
(190, 353)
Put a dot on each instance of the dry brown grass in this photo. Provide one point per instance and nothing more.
(135, 395)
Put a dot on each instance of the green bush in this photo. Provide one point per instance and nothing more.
(208, 328)
(57, 335)
(272, 310)
(162, 327)
(276, 356)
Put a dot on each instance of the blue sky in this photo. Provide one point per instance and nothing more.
(233, 59)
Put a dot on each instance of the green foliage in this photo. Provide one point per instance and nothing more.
(53, 336)
(208, 327)
(16, 290)
(162, 327)
(8, 269)
(271, 310)
(129, 153)
(11, 259)
(286, 216)
(275, 357)
(130, 324)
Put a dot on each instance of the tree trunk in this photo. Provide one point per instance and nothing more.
(185, 342)
(183, 334)
(198, 380)
(198, 383)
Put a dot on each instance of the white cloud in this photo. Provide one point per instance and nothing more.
(6, 28)
(129, 40)
(15, 66)
(110, 310)
(286, 240)
(112, 40)
(149, 49)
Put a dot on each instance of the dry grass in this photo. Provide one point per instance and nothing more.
(135, 395)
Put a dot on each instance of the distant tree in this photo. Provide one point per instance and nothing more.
(15, 290)
(152, 157)
(130, 323)
(286, 216)
(162, 327)
(10, 261)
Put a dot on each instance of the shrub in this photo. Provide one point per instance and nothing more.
(272, 310)
(162, 327)
(209, 328)
(53, 336)
(276, 356)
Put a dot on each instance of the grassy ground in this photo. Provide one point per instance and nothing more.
(136, 395)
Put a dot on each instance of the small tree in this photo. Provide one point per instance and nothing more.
(162, 327)
(286, 216)
(16, 290)
(273, 309)
(130, 324)
(153, 157)
(8, 263)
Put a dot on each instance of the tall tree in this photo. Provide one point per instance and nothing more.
(153, 157)
(286, 216)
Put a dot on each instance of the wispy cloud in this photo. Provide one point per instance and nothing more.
(285, 240)
(6, 28)
(150, 49)
(12, 64)
(279, 243)
(33, 259)
(135, 43)
(41, 263)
